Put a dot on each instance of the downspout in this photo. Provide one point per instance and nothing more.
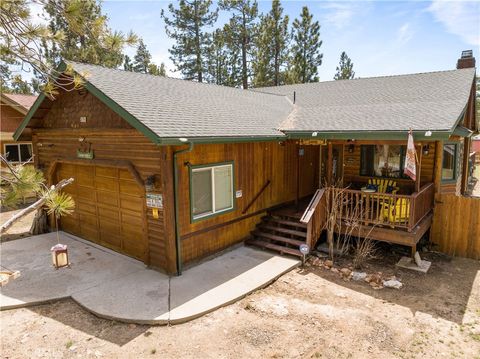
(175, 194)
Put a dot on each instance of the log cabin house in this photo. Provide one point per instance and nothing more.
(170, 171)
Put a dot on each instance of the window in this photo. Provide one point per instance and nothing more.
(18, 152)
(449, 162)
(382, 161)
(211, 190)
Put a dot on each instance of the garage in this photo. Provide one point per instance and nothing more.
(109, 207)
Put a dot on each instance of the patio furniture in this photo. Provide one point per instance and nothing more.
(384, 185)
(397, 212)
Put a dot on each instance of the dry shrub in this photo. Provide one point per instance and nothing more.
(365, 249)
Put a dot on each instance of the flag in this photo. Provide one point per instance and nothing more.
(410, 165)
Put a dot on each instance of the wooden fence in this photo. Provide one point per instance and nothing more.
(456, 225)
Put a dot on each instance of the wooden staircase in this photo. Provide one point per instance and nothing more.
(280, 232)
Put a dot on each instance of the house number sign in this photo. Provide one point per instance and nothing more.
(154, 200)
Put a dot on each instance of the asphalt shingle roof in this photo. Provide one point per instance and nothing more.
(178, 108)
(425, 101)
(174, 108)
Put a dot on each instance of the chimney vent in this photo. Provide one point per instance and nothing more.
(466, 60)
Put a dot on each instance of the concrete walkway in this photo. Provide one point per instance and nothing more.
(114, 286)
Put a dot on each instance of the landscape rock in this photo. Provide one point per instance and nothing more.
(328, 263)
(392, 283)
(345, 272)
(359, 275)
(334, 270)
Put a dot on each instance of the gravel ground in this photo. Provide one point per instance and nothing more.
(308, 313)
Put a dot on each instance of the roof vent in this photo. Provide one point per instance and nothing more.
(466, 60)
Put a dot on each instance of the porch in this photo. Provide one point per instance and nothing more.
(389, 208)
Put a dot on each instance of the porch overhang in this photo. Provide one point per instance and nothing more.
(425, 135)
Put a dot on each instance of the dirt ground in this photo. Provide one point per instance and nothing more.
(311, 312)
(19, 229)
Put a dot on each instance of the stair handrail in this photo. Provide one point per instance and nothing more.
(312, 217)
(264, 187)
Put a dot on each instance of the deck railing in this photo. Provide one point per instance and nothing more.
(315, 216)
(385, 209)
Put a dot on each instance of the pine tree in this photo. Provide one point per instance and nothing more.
(272, 40)
(157, 70)
(306, 48)
(344, 68)
(96, 44)
(127, 63)
(142, 58)
(241, 28)
(217, 59)
(187, 27)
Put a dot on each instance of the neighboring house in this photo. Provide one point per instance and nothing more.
(170, 171)
(13, 108)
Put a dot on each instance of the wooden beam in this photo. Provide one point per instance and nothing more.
(437, 166)
(330, 164)
(419, 169)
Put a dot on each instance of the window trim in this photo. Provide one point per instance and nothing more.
(19, 152)
(403, 151)
(455, 163)
(193, 168)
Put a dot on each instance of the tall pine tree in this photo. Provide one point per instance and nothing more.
(96, 44)
(241, 30)
(344, 68)
(142, 58)
(305, 49)
(217, 59)
(271, 44)
(188, 27)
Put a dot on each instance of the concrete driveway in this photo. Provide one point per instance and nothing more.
(117, 287)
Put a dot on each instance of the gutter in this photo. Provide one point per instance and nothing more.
(175, 195)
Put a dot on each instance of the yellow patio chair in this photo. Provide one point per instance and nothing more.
(396, 213)
(383, 183)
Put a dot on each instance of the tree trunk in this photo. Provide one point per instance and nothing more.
(244, 53)
(38, 204)
(39, 225)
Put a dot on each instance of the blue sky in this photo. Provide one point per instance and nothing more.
(381, 37)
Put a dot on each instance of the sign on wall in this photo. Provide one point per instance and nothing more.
(154, 200)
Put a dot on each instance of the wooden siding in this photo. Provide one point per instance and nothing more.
(56, 139)
(352, 167)
(254, 165)
(456, 225)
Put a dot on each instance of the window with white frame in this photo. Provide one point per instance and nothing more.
(211, 190)
(18, 152)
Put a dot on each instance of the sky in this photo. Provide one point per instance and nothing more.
(381, 37)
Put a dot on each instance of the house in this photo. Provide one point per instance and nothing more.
(170, 171)
(13, 108)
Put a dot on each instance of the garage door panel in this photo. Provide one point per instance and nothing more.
(106, 172)
(109, 214)
(106, 184)
(131, 203)
(85, 194)
(109, 207)
(108, 198)
(130, 187)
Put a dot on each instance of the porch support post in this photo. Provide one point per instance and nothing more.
(419, 170)
(330, 164)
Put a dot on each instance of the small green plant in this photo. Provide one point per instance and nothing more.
(69, 344)
(153, 351)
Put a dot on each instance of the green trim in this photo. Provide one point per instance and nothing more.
(212, 140)
(462, 132)
(178, 246)
(29, 116)
(455, 164)
(211, 165)
(368, 135)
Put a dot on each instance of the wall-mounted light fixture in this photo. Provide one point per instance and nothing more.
(150, 183)
(426, 150)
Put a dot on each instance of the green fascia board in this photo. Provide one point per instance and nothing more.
(368, 135)
(212, 140)
(29, 116)
(462, 131)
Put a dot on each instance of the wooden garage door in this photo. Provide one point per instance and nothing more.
(109, 207)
